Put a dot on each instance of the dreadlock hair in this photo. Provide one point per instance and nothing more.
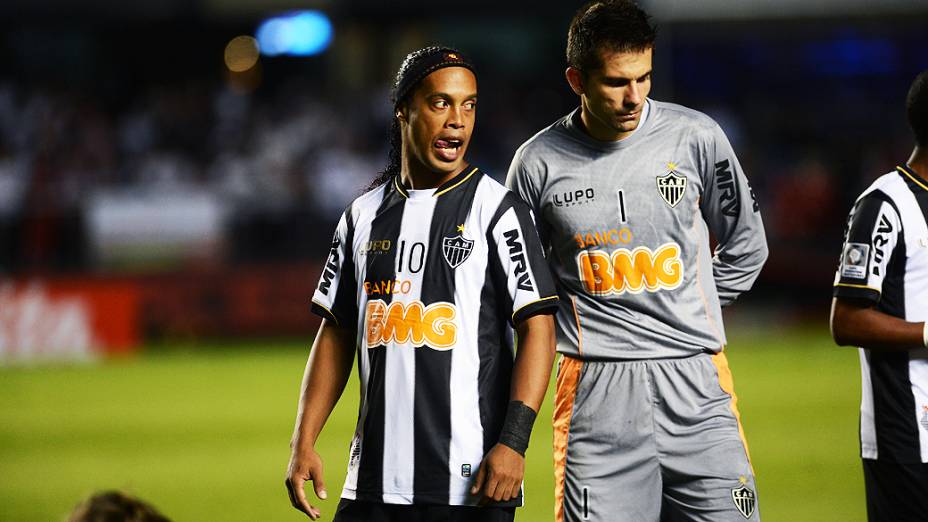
(916, 107)
(115, 506)
(394, 157)
(610, 25)
(415, 67)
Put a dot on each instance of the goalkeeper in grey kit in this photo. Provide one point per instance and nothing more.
(626, 191)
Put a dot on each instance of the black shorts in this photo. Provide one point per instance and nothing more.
(360, 511)
(896, 492)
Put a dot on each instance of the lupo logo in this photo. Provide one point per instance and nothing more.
(574, 197)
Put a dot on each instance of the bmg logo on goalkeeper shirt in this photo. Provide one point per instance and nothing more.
(412, 323)
(630, 271)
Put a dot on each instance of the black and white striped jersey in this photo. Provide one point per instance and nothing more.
(885, 260)
(432, 280)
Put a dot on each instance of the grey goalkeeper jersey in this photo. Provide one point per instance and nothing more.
(626, 227)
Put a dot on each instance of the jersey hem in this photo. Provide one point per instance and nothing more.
(871, 454)
(435, 499)
(585, 357)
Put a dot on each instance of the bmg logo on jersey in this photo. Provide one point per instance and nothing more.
(631, 270)
(412, 323)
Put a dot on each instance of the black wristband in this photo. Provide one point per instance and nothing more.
(518, 427)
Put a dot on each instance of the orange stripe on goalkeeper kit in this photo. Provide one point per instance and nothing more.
(727, 383)
(567, 379)
(573, 302)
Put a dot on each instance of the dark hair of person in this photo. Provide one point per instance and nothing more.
(916, 108)
(415, 67)
(607, 25)
(394, 157)
(115, 506)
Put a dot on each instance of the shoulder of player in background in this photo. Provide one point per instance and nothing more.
(541, 142)
(370, 198)
(883, 184)
(677, 115)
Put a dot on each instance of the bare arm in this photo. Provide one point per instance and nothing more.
(327, 372)
(533, 360)
(500, 474)
(857, 322)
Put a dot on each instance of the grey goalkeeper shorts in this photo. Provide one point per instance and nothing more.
(650, 440)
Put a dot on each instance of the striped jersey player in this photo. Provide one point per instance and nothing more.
(881, 306)
(429, 273)
(627, 191)
(433, 279)
(884, 261)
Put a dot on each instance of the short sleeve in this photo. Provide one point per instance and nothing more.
(518, 248)
(873, 231)
(521, 180)
(335, 297)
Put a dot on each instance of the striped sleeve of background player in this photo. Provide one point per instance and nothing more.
(512, 238)
(336, 295)
(521, 181)
(731, 211)
(873, 232)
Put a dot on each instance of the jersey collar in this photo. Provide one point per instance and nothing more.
(911, 178)
(445, 187)
(574, 124)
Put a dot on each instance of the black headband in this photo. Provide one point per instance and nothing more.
(421, 63)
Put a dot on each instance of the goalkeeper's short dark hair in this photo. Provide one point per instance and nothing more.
(916, 107)
(607, 25)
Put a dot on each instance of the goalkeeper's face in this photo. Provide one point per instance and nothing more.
(613, 96)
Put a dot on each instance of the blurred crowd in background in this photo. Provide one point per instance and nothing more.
(128, 146)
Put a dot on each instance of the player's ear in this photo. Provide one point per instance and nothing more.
(575, 79)
(401, 113)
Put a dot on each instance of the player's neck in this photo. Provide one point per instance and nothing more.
(416, 176)
(918, 162)
(598, 131)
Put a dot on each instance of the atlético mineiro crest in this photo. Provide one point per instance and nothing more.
(671, 186)
(745, 500)
(456, 249)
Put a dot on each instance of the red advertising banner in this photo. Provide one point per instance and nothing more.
(67, 319)
(77, 317)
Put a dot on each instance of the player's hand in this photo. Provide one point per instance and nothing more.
(305, 465)
(500, 475)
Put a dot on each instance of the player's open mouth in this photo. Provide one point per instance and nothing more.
(448, 149)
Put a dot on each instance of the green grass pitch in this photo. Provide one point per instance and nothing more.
(203, 432)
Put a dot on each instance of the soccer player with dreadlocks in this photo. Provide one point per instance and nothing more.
(427, 274)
